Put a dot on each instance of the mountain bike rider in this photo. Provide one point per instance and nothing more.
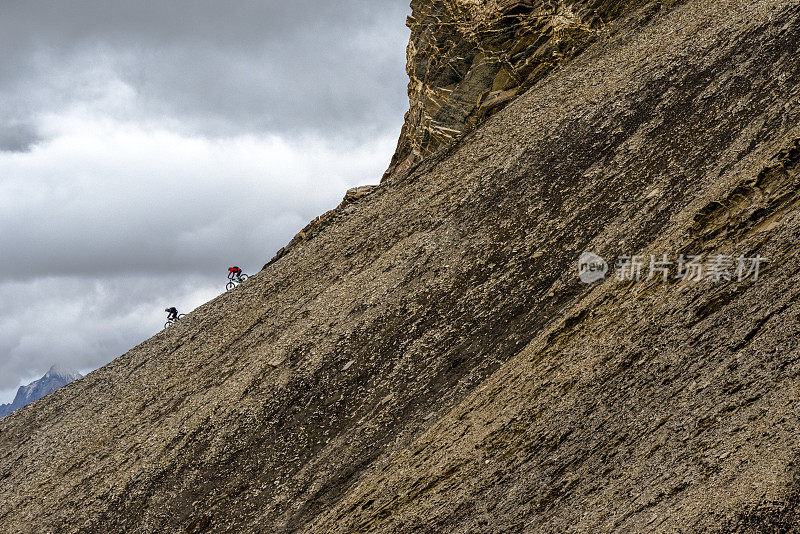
(173, 313)
(235, 273)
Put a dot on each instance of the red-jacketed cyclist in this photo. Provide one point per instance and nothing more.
(235, 273)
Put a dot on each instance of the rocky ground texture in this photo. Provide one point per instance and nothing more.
(427, 360)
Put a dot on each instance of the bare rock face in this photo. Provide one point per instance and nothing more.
(467, 59)
(427, 359)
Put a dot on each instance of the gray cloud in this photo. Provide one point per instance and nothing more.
(17, 137)
(112, 201)
(88, 321)
(146, 146)
(261, 66)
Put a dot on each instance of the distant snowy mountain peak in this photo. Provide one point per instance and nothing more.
(56, 377)
(57, 371)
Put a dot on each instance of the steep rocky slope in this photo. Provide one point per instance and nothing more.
(429, 361)
(53, 379)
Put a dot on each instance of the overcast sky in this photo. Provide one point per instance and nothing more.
(146, 146)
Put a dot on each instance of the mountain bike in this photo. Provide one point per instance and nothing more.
(236, 281)
(171, 322)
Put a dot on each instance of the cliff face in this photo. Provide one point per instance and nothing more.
(467, 59)
(429, 361)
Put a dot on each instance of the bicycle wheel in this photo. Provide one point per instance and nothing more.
(243, 277)
(167, 324)
(181, 316)
(230, 286)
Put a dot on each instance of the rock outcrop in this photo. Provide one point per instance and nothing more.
(467, 59)
(431, 362)
(318, 223)
(55, 378)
